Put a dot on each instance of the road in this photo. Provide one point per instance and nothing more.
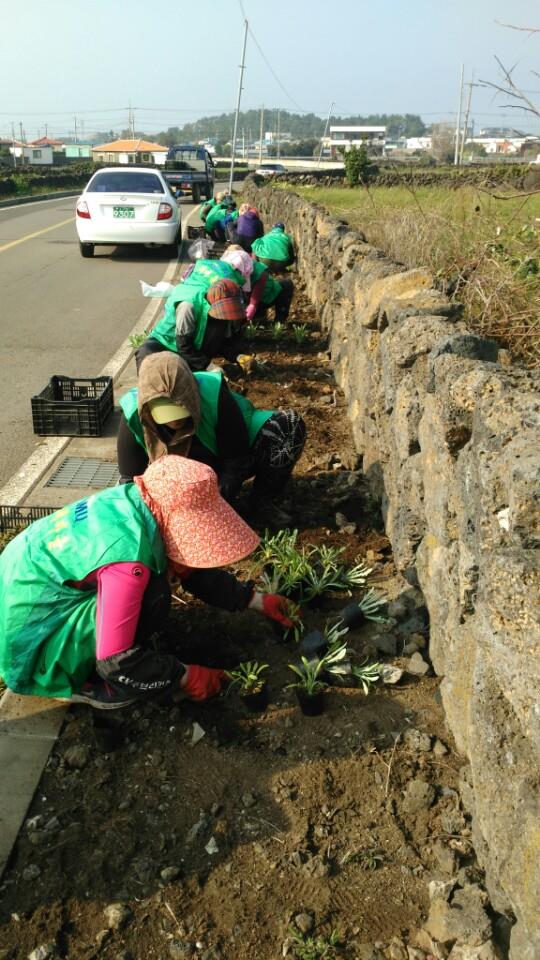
(60, 314)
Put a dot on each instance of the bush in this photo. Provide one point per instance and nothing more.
(356, 165)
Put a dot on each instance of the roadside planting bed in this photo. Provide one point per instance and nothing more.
(172, 831)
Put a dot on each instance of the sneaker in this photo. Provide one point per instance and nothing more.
(101, 696)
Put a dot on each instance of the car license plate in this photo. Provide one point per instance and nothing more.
(125, 213)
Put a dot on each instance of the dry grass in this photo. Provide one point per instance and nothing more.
(483, 251)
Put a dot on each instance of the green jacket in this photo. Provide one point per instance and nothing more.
(275, 245)
(209, 384)
(272, 287)
(48, 628)
(193, 290)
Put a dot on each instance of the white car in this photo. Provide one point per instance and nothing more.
(270, 169)
(127, 205)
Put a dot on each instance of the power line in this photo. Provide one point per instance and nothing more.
(269, 65)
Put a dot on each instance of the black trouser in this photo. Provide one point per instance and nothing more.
(216, 343)
(281, 304)
(276, 450)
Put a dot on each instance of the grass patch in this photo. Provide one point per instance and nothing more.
(483, 251)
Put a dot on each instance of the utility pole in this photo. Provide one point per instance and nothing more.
(324, 134)
(458, 122)
(242, 68)
(75, 128)
(261, 129)
(466, 123)
(278, 133)
(13, 144)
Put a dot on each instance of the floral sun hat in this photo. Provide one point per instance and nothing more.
(198, 526)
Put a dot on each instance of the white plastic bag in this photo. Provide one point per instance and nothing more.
(200, 249)
(161, 289)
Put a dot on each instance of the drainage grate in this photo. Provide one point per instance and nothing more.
(77, 472)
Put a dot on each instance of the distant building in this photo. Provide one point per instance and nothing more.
(418, 143)
(78, 151)
(504, 146)
(130, 151)
(343, 138)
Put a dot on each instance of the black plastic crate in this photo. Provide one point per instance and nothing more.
(70, 407)
(16, 517)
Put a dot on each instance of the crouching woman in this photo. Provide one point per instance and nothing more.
(84, 589)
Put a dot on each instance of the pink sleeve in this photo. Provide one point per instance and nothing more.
(120, 591)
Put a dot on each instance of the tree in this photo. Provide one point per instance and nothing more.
(356, 165)
(507, 85)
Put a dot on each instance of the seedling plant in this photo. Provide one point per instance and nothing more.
(310, 673)
(248, 677)
(277, 330)
(136, 340)
(306, 572)
(314, 948)
(366, 674)
(251, 330)
(370, 604)
(300, 332)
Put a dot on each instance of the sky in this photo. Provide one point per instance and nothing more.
(177, 61)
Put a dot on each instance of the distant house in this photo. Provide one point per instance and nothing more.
(38, 156)
(55, 145)
(343, 138)
(78, 151)
(418, 143)
(130, 151)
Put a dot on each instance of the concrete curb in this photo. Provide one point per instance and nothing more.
(17, 201)
(29, 726)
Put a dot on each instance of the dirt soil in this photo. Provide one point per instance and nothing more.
(213, 848)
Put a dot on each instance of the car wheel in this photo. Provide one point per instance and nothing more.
(196, 193)
(87, 249)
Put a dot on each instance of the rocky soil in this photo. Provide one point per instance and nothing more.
(176, 831)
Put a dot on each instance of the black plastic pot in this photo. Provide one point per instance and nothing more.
(313, 644)
(258, 701)
(352, 616)
(311, 704)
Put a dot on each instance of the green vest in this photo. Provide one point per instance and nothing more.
(209, 383)
(47, 628)
(217, 213)
(193, 290)
(272, 287)
(275, 245)
(207, 204)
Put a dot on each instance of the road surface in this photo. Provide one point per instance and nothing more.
(60, 313)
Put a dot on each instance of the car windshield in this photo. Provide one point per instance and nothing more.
(124, 181)
(188, 159)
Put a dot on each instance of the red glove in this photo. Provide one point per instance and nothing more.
(201, 683)
(277, 608)
(251, 310)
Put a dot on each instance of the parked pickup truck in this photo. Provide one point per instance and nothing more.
(190, 169)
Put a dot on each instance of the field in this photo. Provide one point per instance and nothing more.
(483, 251)
(273, 834)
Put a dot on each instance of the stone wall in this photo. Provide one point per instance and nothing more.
(450, 440)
